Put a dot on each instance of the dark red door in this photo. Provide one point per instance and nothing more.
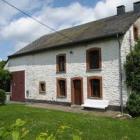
(77, 92)
(18, 86)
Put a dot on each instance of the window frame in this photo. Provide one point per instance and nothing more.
(42, 92)
(57, 63)
(87, 59)
(89, 87)
(135, 33)
(58, 89)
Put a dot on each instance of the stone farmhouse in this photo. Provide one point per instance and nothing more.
(79, 64)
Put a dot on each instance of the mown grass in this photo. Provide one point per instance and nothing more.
(93, 128)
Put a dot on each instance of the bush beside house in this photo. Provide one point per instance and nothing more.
(2, 96)
(4, 82)
(132, 68)
(4, 77)
(133, 104)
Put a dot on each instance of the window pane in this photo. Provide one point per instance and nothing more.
(94, 59)
(42, 87)
(95, 87)
(61, 63)
(62, 87)
(136, 34)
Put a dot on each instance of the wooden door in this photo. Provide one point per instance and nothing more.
(77, 91)
(18, 86)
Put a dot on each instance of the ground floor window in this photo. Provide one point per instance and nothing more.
(42, 87)
(61, 87)
(94, 87)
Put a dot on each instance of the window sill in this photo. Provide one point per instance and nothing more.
(42, 93)
(61, 97)
(92, 70)
(95, 98)
(61, 72)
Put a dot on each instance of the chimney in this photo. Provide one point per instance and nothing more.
(137, 6)
(121, 10)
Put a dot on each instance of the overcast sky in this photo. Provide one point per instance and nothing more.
(17, 30)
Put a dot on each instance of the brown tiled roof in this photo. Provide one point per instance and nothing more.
(95, 30)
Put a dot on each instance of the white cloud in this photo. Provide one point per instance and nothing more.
(7, 12)
(24, 30)
(106, 8)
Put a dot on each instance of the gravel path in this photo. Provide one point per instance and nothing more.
(74, 109)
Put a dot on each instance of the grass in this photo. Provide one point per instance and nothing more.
(93, 128)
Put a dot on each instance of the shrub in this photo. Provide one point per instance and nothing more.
(2, 64)
(132, 68)
(5, 77)
(133, 104)
(2, 96)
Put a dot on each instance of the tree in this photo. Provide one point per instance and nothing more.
(2, 64)
(132, 68)
(4, 77)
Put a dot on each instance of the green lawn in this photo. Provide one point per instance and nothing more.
(93, 128)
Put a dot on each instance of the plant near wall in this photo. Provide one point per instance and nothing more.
(132, 68)
(4, 77)
(2, 64)
(2, 96)
(133, 104)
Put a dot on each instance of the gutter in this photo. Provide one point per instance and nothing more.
(120, 75)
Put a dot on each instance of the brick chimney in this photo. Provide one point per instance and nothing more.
(121, 10)
(137, 6)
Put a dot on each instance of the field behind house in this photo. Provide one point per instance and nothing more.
(92, 127)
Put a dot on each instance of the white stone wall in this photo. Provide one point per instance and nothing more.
(42, 67)
(128, 43)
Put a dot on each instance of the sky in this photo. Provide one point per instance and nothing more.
(18, 30)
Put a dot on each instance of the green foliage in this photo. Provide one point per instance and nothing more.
(92, 125)
(133, 104)
(17, 131)
(4, 77)
(2, 64)
(45, 136)
(132, 68)
(2, 96)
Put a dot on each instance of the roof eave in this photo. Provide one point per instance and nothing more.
(66, 44)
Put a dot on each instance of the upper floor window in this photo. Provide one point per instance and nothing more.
(61, 88)
(94, 58)
(42, 87)
(136, 33)
(61, 63)
(95, 87)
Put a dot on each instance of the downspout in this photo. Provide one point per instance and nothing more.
(120, 75)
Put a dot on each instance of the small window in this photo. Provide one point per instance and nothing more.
(61, 87)
(136, 34)
(61, 63)
(95, 87)
(93, 58)
(42, 87)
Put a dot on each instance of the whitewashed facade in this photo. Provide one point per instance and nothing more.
(42, 67)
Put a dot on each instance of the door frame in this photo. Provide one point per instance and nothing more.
(72, 88)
